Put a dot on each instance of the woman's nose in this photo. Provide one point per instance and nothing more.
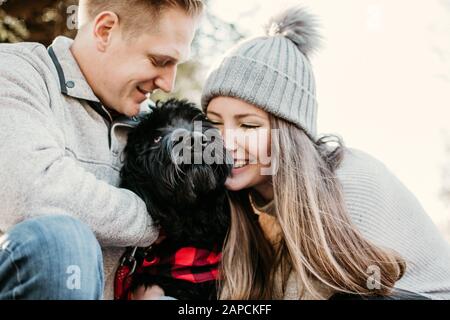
(229, 137)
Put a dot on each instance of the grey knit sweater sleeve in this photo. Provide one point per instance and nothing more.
(389, 215)
(37, 177)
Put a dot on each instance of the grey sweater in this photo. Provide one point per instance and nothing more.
(55, 153)
(56, 158)
(389, 215)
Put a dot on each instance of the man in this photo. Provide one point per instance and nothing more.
(65, 112)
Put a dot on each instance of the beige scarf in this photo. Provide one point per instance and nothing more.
(272, 230)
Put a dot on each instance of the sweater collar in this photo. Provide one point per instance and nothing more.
(71, 79)
(260, 204)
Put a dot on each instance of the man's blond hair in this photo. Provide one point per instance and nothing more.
(136, 15)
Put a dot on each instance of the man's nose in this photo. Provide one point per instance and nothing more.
(166, 80)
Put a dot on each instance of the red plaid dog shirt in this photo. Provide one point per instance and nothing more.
(191, 264)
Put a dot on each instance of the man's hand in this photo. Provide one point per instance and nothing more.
(161, 238)
(150, 293)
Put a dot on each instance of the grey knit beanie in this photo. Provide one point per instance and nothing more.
(273, 72)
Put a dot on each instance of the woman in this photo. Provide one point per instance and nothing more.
(315, 220)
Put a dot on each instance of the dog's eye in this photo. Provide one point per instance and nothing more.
(157, 140)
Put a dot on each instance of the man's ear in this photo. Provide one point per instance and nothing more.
(104, 26)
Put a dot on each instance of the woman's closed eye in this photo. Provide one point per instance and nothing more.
(216, 123)
(248, 126)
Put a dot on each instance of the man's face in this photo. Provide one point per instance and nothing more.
(137, 66)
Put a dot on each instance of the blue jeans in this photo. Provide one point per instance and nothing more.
(51, 258)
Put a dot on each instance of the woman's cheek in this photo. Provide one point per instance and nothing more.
(262, 148)
(252, 145)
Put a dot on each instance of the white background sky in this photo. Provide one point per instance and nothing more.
(383, 78)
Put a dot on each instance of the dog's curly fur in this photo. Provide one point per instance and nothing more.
(188, 201)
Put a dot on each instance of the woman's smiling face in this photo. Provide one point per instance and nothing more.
(246, 131)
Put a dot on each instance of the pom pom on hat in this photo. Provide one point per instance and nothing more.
(297, 25)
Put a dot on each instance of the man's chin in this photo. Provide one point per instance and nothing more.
(132, 110)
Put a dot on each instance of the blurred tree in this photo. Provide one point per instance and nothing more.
(43, 20)
(37, 21)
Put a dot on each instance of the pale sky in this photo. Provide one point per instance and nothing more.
(383, 80)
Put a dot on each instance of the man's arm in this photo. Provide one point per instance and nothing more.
(36, 176)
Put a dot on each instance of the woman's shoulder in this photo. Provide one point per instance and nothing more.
(357, 162)
(389, 215)
(363, 173)
(373, 194)
(381, 206)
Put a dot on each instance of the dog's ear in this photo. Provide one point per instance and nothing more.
(132, 173)
(143, 174)
(137, 162)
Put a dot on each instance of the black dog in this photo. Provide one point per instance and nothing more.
(185, 195)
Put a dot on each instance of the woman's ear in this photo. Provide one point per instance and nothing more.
(104, 26)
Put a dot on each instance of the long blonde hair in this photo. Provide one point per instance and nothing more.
(319, 243)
